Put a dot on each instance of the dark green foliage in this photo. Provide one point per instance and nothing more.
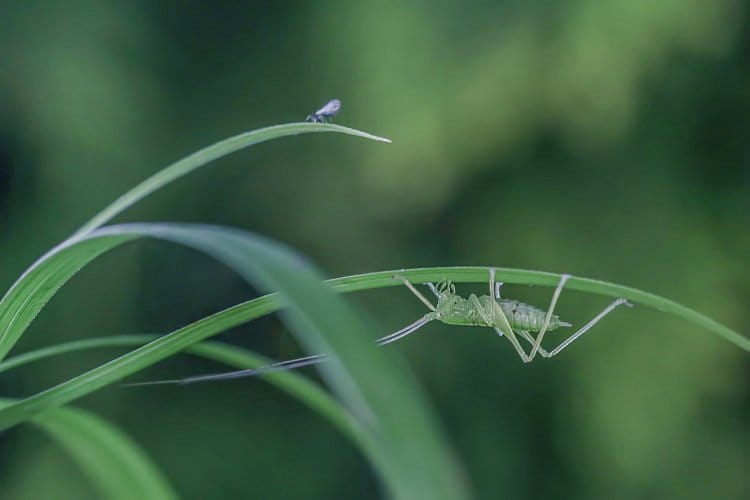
(599, 138)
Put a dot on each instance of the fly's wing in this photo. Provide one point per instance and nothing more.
(331, 108)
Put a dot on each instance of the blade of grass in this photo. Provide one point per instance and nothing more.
(295, 384)
(304, 389)
(78, 345)
(172, 343)
(208, 154)
(116, 466)
(465, 274)
(168, 345)
(410, 457)
(211, 325)
(34, 288)
(38, 284)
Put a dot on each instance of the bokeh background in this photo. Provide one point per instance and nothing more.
(603, 138)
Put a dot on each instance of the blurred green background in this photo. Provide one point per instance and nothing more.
(603, 138)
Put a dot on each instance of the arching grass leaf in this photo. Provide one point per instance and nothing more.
(116, 466)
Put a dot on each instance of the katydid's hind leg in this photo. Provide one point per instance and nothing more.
(514, 341)
(497, 314)
(488, 317)
(589, 325)
(537, 344)
(530, 339)
(416, 292)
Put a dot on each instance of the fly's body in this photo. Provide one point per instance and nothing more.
(326, 113)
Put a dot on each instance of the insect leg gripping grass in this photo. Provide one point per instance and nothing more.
(506, 316)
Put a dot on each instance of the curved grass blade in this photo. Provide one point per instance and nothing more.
(380, 395)
(62, 264)
(174, 342)
(34, 288)
(78, 345)
(208, 154)
(295, 384)
(116, 466)
(39, 283)
(465, 274)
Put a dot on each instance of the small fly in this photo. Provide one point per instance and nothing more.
(326, 113)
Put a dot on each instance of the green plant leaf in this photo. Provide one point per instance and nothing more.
(78, 345)
(208, 154)
(116, 466)
(466, 274)
(211, 325)
(61, 264)
(381, 396)
(33, 289)
(23, 301)
(295, 384)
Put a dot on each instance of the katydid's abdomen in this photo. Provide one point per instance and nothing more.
(527, 317)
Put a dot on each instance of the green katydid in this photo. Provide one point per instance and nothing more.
(506, 316)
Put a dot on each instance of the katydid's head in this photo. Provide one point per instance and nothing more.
(446, 295)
